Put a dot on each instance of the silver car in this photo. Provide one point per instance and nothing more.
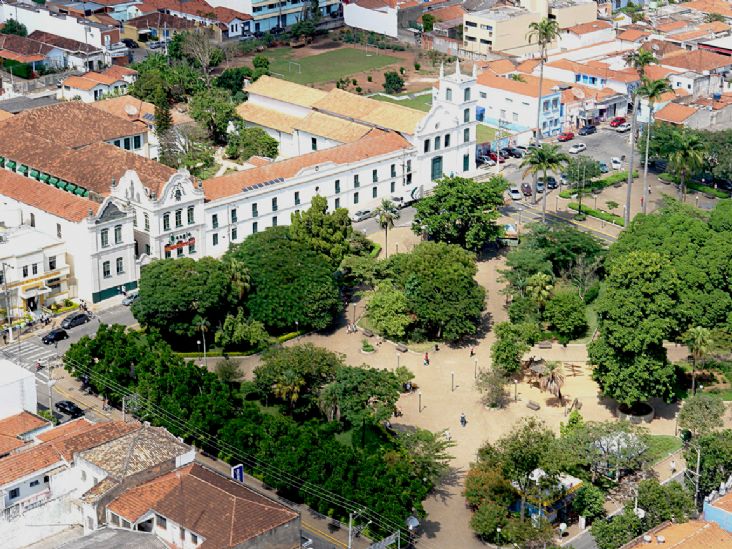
(360, 215)
(515, 193)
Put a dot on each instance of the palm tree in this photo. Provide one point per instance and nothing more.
(386, 214)
(542, 32)
(539, 288)
(552, 379)
(712, 17)
(698, 340)
(639, 60)
(543, 159)
(687, 157)
(652, 90)
(238, 277)
(288, 386)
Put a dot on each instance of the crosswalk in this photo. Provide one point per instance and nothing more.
(28, 352)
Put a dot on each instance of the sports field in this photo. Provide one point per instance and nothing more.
(421, 102)
(327, 66)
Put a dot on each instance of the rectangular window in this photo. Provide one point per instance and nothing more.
(337, 186)
(138, 142)
(503, 114)
(126, 524)
(233, 216)
(255, 227)
(337, 203)
(147, 249)
(114, 519)
(182, 533)
(374, 192)
(33, 220)
(166, 222)
(191, 215)
(194, 538)
(104, 235)
(215, 221)
(255, 211)
(25, 271)
(34, 268)
(392, 187)
(356, 182)
(466, 115)
(191, 248)
(447, 140)
(314, 143)
(466, 135)
(161, 522)
(515, 117)
(234, 233)
(483, 95)
(393, 170)
(134, 217)
(118, 234)
(34, 483)
(436, 168)
(106, 269)
(374, 176)
(52, 263)
(14, 493)
(297, 197)
(83, 476)
(121, 264)
(466, 162)
(274, 221)
(128, 143)
(178, 218)
(58, 230)
(274, 204)
(437, 143)
(147, 222)
(215, 239)
(426, 145)
(409, 165)
(355, 198)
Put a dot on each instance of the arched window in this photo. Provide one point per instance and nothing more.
(466, 94)
(448, 94)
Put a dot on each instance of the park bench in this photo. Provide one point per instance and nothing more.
(401, 348)
(545, 345)
(533, 405)
(367, 332)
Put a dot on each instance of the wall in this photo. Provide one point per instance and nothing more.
(704, 119)
(720, 516)
(569, 16)
(18, 395)
(39, 523)
(507, 34)
(62, 25)
(571, 41)
(286, 536)
(383, 21)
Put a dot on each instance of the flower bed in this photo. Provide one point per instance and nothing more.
(600, 214)
(598, 184)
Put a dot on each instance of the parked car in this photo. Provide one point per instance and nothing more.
(493, 156)
(361, 215)
(526, 189)
(398, 201)
(539, 186)
(587, 130)
(130, 298)
(565, 136)
(515, 193)
(616, 163)
(55, 335)
(521, 150)
(551, 182)
(76, 319)
(624, 127)
(486, 161)
(617, 121)
(276, 30)
(69, 408)
(154, 45)
(246, 36)
(517, 152)
(130, 43)
(577, 148)
(603, 167)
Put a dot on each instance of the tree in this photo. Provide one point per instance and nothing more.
(393, 83)
(261, 62)
(291, 284)
(13, 26)
(565, 312)
(303, 28)
(701, 414)
(323, 232)
(213, 109)
(232, 80)
(687, 157)
(589, 502)
(539, 288)
(177, 295)
(664, 502)
(461, 211)
(698, 339)
(492, 385)
(240, 332)
(190, 148)
(712, 17)
(198, 47)
(714, 451)
(486, 483)
(542, 33)
(552, 379)
(428, 22)
(428, 452)
(638, 59)
(487, 519)
(508, 349)
(228, 371)
(652, 90)
(611, 534)
(388, 311)
(543, 159)
(247, 142)
(386, 214)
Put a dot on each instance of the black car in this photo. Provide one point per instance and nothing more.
(69, 408)
(587, 130)
(55, 335)
(551, 182)
(77, 319)
(276, 30)
(130, 43)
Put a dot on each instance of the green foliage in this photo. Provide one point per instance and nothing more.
(702, 413)
(229, 372)
(240, 332)
(261, 62)
(509, 348)
(429, 453)
(461, 211)
(303, 28)
(565, 312)
(589, 502)
(575, 421)
(720, 220)
(13, 26)
(290, 283)
(323, 232)
(177, 296)
(428, 22)
(247, 142)
(664, 502)
(715, 465)
(611, 534)
(393, 83)
(492, 385)
(178, 79)
(232, 79)
(404, 375)
(214, 109)
(487, 518)
(388, 311)
(486, 483)
(599, 214)
(581, 169)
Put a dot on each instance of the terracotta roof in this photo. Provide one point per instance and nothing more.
(591, 26)
(633, 35)
(374, 4)
(449, 13)
(70, 427)
(675, 113)
(595, 70)
(375, 143)
(89, 80)
(285, 91)
(269, 118)
(500, 66)
(61, 42)
(658, 72)
(710, 6)
(4, 115)
(724, 502)
(11, 428)
(672, 94)
(119, 71)
(24, 45)
(529, 86)
(158, 20)
(258, 161)
(35, 459)
(122, 105)
(363, 109)
(332, 127)
(528, 66)
(672, 25)
(695, 534)
(696, 60)
(194, 7)
(71, 123)
(45, 197)
(690, 35)
(578, 92)
(227, 15)
(660, 47)
(105, 19)
(70, 444)
(222, 511)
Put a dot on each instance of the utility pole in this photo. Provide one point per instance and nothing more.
(50, 387)
(695, 473)
(7, 302)
(354, 531)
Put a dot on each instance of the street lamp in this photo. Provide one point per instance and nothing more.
(475, 373)
(419, 394)
(515, 390)
(498, 535)
(452, 375)
(198, 344)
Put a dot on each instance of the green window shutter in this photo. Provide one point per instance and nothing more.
(35, 174)
(52, 180)
(11, 164)
(22, 168)
(44, 177)
(80, 191)
(70, 187)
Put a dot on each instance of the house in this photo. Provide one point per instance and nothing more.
(194, 506)
(225, 21)
(379, 16)
(448, 21)
(698, 61)
(586, 34)
(24, 56)
(722, 45)
(694, 534)
(266, 16)
(632, 36)
(19, 429)
(77, 55)
(17, 390)
(583, 105)
(94, 86)
(594, 74)
(689, 39)
(156, 26)
(115, 538)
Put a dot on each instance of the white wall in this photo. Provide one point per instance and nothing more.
(380, 21)
(39, 523)
(17, 390)
(63, 25)
(571, 41)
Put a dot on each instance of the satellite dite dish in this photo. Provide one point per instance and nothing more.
(131, 110)
(578, 93)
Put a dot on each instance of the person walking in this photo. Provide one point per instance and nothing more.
(426, 359)
(673, 467)
(472, 352)
(463, 420)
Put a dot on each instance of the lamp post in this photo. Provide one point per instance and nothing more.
(475, 373)
(515, 390)
(198, 344)
(452, 383)
(498, 536)
(419, 394)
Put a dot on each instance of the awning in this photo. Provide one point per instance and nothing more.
(11, 164)
(22, 168)
(70, 187)
(52, 180)
(80, 191)
(61, 184)
(34, 174)
(34, 292)
(44, 177)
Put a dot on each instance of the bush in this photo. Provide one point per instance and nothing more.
(589, 502)
(417, 66)
(366, 346)
(706, 189)
(370, 78)
(600, 214)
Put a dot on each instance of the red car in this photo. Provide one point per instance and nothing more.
(615, 122)
(495, 158)
(565, 136)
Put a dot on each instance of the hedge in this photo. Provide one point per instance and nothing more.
(611, 179)
(375, 251)
(693, 185)
(600, 214)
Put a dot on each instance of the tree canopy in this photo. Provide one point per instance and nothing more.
(247, 142)
(328, 233)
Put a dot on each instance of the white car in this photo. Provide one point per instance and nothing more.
(361, 215)
(515, 193)
(625, 127)
(577, 148)
(616, 163)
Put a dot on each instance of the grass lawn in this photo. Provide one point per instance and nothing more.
(591, 315)
(421, 103)
(486, 133)
(724, 394)
(660, 446)
(327, 66)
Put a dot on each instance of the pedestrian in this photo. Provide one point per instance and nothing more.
(448, 436)
(472, 352)
(463, 420)
(5, 337)
(408, 386)
(437, 347)
(426, 359)
(673, 466)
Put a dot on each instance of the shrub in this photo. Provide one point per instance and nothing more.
(417, 66)
(600, 214)
(402, 70)
(354, 82)
(366, 346)
(358, 89)
(370, 78)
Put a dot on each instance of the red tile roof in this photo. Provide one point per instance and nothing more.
(75, 426)
(696, 60)
(528, 85)
(591, 26)
(11, 428)
(449, 13)
(675, 113)
(224, 512)
(597, 69)
(62, 42)
(633, 35)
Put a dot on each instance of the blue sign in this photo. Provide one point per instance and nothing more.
(237, 473)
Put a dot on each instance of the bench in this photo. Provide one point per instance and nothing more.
(533, 405)
(367, 332)
(545, 345)
(401, 348)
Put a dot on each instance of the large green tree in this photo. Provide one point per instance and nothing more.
(247, 142)
(461, 211)
(12, 26)
(702, 414)
(714, 451)
(565, 312)
(509, 348)
(328, 233)
(214, 110)
(388, 310)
